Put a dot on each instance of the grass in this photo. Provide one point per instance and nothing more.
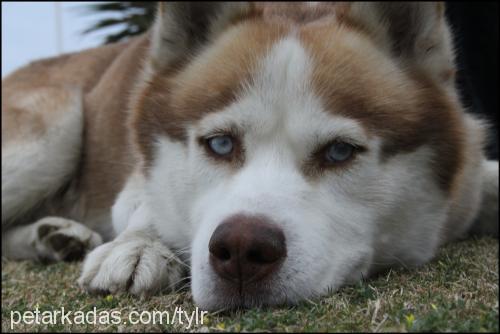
(458, 291)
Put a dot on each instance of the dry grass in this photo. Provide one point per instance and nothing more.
(458, 291)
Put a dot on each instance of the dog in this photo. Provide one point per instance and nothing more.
(265, 152)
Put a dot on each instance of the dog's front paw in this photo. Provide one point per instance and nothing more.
(138, 265)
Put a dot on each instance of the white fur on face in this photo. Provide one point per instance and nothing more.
(331, 223)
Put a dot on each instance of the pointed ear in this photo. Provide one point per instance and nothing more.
(182, 27)
(415, 32)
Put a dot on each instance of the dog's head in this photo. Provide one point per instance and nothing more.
(294, 147)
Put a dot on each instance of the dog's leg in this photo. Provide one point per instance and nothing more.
(41, 145)
(137, 261)
(486, 222)
(48, 240)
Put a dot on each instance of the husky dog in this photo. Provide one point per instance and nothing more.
(270, 152)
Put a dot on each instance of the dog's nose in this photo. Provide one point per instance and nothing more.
(246, 249)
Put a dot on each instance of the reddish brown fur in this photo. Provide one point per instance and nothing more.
(104, 76)
(407, 114)
(175, 98)
(52, 76)
(109, 156)
(406, 109)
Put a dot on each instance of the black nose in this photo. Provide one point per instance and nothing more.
(246, 249)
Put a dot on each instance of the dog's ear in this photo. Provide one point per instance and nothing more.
(415, 32)
(182, 27)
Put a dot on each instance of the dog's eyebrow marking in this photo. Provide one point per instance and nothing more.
(173, 99)
(406, 109)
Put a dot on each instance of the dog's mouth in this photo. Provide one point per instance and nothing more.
(230, 295)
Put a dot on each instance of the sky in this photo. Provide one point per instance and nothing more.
(29, 31)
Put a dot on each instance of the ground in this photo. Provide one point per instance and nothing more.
(458, 291)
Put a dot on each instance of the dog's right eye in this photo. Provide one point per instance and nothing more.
(339, 152)
(221, 145)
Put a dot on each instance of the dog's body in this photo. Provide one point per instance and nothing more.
(116, 145)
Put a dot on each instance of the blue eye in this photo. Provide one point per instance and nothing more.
(221, 145)
(339, 152)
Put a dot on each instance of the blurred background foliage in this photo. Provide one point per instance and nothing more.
(129, 18)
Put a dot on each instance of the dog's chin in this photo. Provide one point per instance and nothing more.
(221, 295)
(213, 293)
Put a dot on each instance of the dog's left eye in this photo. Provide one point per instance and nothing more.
(339, 152)
(221, 145)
